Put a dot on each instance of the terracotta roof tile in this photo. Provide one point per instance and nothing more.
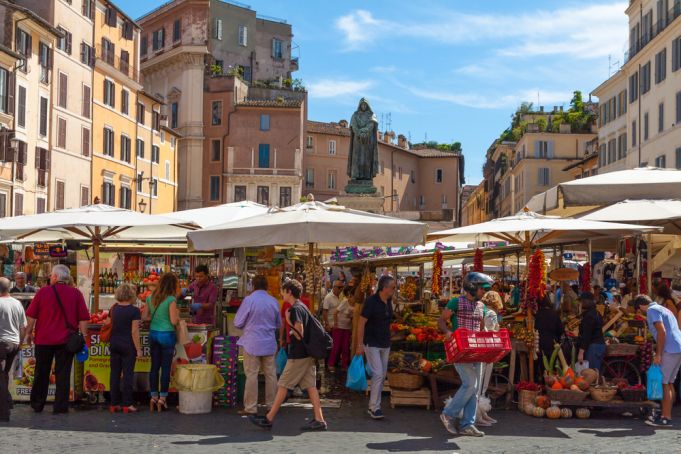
(270, 103)
(327, 128)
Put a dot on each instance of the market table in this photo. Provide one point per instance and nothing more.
(612, 405)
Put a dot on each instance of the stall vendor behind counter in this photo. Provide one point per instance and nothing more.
(204, 295)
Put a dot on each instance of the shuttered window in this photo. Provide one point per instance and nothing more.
(59, 195)
(84, 196)
(63, 90)
(86, 142)
(61, 132)
(21, 109)
(87, 100)
(43, 117)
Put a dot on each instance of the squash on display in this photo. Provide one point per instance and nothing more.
(553, 412)
(583, 413)
(565, 413)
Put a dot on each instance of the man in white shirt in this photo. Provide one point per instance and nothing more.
(12, 329)
(330, 305)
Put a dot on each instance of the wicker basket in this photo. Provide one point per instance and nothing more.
(633, 395)
(603, 393)
(526, 397)
(405, 381)
(621, 350)
(566, 395)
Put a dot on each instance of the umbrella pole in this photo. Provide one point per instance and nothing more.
(310, 259)
(649, 264)
(530, 315)
(95, 276)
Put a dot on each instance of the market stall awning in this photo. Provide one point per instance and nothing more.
(530, 228)
(663, 213)
(310, 222)
(604, 189)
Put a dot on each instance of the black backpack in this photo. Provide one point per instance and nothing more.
(316, 340)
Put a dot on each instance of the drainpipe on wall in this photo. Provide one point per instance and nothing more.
(639, 137)
(392, 180)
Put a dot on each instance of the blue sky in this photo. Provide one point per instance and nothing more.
(446, 70)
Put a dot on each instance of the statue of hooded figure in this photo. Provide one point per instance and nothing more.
(363, 154)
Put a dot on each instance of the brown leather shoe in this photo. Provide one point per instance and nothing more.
(246, 413)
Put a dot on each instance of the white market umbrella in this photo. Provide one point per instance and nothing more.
(609, 188)
(221, 214)
(529, 229)
(663, 213)
(310, 223)
(96, 223)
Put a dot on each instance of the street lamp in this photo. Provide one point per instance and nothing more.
(142, 205)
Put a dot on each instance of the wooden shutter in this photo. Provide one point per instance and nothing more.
(86, 101)
(86, 142)
(63, 89)
(84, 196)
(61, 133)
(18, 204)
(43, 116)
(69, 42)
(59, 202)
(3, 147)
(11, 86)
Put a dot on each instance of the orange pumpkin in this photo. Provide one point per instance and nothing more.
(553, 412)
(425, 366)
(543, 402)
(582, 384)
(557, 386)
(567, 381)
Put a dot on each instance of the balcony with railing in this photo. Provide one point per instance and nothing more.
(649, 35)
(109, 57)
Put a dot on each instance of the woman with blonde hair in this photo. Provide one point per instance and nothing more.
(493, 307)
(161, 310)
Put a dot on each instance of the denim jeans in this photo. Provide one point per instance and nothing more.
(162, 345)
(466, 397)
(377, 362)
(7, 353)
(594, 354)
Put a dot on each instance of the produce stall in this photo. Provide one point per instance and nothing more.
(96, 368)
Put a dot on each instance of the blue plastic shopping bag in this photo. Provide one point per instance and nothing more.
(280, 360)
(357, 379)
(654, 383)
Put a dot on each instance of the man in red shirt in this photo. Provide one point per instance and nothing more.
(52, 331)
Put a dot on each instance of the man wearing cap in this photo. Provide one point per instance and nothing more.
(20, 285)
(665, 329)
(466, 312)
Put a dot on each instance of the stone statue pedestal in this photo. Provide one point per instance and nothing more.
(364, 202)
(360, 187)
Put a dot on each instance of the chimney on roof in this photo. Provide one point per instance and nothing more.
(402, 142)
(343, 123)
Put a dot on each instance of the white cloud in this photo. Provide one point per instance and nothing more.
(506, 101)
(332, 88)
(591, 31)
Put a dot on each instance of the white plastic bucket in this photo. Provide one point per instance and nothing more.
(195, 403)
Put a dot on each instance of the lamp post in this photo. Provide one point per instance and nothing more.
(142, 206)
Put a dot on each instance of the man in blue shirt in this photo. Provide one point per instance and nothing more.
(665, 329)
(259, 318)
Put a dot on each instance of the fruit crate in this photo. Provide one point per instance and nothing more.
(465, 346)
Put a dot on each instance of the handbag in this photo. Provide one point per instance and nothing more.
(107, 328)
(75, 342)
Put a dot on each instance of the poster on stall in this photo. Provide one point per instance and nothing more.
(21, 380)
(97, 366)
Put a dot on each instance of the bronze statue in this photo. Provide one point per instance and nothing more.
(363, 154)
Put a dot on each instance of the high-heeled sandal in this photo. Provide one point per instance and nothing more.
(130, 409)
(114, 408)
(153, 403)
(161, 404)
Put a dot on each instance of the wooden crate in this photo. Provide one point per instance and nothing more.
(419, 398)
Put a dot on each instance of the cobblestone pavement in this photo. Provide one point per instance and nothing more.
(94, 430)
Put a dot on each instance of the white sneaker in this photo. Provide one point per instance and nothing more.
(449, 424)
(471, 431)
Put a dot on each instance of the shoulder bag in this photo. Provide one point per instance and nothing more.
(75, 342)
(318, 342)
(107, 328)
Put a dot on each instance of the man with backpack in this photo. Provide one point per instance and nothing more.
(309, 342)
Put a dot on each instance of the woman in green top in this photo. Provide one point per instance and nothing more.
(162, 310)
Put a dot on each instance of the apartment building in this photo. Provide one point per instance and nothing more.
(538, 164)
(155, 158)
(9, 61)
(32, 37)
(422, 180)
(254, 144)
(641, 103)
(70, 152)
(186, 41)
(115, 86)
(588, 165)
(474, 209)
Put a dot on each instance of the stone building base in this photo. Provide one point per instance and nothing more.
(371, 203)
